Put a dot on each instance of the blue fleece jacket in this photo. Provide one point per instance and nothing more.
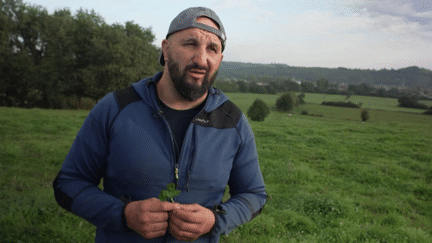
(132, 149)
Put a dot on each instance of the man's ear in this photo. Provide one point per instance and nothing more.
(165, 47)
(221, 58)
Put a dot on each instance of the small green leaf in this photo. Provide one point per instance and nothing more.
(169, 193)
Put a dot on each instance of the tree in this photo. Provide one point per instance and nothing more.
(352, 89)
(363, 89)
(307, 87)
(242, 86)
(60, 78)
(349, 94)
(394, 93)
(300, 99)
(364, 115)
(21, 50)
(411, 102)
(321, 85)
(381, 92)
(226, 86)
(286, 102)
(270, 89)
(286, 84)
(258, 111)
(255, 88)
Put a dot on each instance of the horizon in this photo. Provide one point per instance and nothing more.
(383, 69)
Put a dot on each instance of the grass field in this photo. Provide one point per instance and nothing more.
(368, 102)
(329, 179)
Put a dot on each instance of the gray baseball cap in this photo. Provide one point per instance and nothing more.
(187, 19)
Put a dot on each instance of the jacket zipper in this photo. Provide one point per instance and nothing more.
(176, 176)
(194, 158)
(176, 172)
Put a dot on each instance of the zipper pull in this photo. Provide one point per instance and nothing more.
(176, 175)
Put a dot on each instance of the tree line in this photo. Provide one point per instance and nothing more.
(54, 60)
(410, 77)
(268, 85)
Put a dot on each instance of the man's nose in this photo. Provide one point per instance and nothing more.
(200, 57)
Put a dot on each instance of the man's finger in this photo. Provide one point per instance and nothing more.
(185, 216)
(190, 207)
(167, 206)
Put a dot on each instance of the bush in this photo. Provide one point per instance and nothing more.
(258, 111)
(286, 102)
(429, 112)
(300, 99)
(340, 104)
(364, 115)
(411, 102)
(306, 113)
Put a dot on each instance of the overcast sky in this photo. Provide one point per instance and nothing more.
(362, 34)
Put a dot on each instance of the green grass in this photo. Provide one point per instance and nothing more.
(329, 179)
(368, 102)
(377, 103)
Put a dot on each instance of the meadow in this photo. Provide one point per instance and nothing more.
(329, 179)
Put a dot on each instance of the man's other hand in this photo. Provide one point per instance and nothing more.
(149, 217)
(190, 221)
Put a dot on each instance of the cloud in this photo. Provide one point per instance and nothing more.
(397, 17)
(357, 33)
(323, 23)
(248, 9)
(403, 9)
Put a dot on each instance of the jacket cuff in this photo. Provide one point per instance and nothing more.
(126, 200)
(217, 209)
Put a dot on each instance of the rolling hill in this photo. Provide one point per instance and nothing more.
(410, 77)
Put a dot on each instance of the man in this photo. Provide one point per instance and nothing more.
(170, 128)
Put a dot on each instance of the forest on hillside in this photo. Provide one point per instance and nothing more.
(272, 79)
(410, 77)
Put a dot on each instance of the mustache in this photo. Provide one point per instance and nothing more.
(195, 66)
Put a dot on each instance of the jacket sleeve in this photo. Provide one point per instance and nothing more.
(246, 183)
(76, 185)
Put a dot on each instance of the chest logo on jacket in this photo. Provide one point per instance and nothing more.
(202, 120)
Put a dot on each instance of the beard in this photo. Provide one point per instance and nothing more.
(189, 91)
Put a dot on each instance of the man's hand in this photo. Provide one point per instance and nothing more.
(149, 217)
(190, 221)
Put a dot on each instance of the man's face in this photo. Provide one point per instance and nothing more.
(189, 90)
(193, 57)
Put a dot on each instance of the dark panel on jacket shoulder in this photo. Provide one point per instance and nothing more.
(126, 96)
(225, 116)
